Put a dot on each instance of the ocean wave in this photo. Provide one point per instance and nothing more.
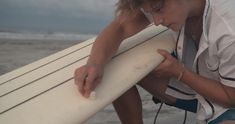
(44, 36)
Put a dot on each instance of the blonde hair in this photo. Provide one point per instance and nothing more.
(130, 6)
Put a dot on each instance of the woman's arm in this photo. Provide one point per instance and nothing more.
(211, 89)
(123, 26)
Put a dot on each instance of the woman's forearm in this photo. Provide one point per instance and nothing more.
(111, 37)
(106, 45)
(211, 89)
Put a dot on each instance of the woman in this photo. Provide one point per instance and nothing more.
(200, 79)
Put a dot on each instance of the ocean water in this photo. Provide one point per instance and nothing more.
(30, 35)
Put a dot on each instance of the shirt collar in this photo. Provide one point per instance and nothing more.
(205, 18)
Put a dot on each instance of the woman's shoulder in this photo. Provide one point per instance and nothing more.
(223, 8)
(221, 18)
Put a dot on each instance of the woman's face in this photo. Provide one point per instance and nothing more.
(169, 13)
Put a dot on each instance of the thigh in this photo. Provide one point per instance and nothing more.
(157, 87)
(153, 84)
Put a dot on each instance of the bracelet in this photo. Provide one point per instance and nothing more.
(181, 74)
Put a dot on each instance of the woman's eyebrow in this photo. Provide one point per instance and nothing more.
(157, 4)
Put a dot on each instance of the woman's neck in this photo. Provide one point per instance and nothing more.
(196, 8)
(194, 23)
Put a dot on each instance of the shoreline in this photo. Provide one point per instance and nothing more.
(18, 53)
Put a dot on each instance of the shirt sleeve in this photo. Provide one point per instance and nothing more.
(227, 64)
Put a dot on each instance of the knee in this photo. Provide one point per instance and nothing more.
(151, 78)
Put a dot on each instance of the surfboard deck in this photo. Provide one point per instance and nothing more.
(43, 92)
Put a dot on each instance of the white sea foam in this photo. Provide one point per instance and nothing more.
(44, 36)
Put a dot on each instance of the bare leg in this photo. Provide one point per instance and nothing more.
(157, 87)
(129, 107)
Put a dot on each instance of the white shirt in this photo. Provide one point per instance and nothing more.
(215, 57)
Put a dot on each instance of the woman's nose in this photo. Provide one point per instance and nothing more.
(157, 19)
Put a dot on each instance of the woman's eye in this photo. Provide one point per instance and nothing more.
(157, 10)
(158, 7)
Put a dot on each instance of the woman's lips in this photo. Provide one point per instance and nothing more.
(169, 25)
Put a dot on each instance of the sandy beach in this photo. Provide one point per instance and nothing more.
(17, 53)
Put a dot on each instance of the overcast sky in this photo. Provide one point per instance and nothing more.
(84, 16)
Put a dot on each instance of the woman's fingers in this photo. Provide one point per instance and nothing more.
(87, 78)
(80, 75)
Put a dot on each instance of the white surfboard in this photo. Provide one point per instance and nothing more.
(43, 92)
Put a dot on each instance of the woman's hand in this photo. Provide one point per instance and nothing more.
(170, 67)
(87, 78)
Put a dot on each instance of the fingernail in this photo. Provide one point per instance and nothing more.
(93, 95)
(86, 94)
